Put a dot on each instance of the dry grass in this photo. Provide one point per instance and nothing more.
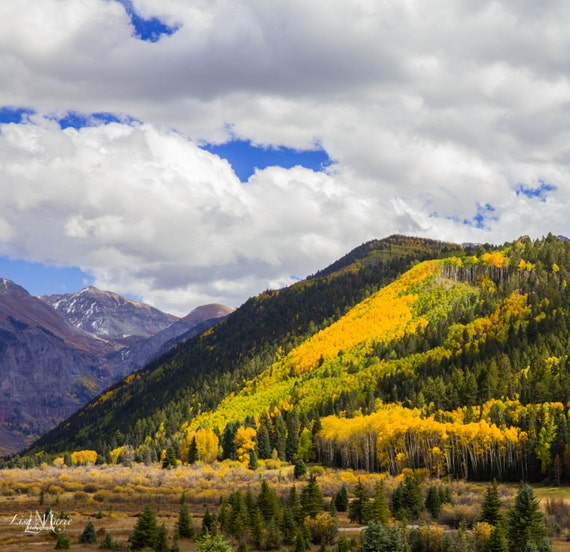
(120, 493)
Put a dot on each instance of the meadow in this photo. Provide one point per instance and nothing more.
(113, 497)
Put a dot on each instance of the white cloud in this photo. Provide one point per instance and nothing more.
(430, 110)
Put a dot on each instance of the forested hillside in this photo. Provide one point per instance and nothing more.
(196, 376)
(404, 354)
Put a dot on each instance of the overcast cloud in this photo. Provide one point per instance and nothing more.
(446, 119)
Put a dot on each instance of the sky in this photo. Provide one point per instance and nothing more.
(186, 152)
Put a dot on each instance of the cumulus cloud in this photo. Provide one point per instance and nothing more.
(434, 113)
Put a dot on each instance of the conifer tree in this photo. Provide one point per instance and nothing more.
(108, 543)
(341, 499)
(299, 468)
(293, 429)
(193, 451)
(161, 542)
(377, 538)
(145, 531)
(209, 523)
(497, 540)
(253, 463)
(169, 460)
(267, 501)
(213, 543)
(526, 525)
(358, 506)
(294, 503)
(89, 535)
(492, 503)
(62, 542)
(311, 498)
(378, 508)
(263, 442)
(288, 526)
(433, 502)
(184, 527)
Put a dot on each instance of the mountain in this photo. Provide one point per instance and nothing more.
(108, 315)
(197, 375)
(58, 352)
(48, 368)
(141, 352)
(405, 353)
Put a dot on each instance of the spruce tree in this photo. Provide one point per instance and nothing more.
(341, 499)
(184, 527)
(108, 543)
(161, 542)
(213, 543)
(491, 507)
(526, 525)
(267, 501)
(358, 506)
(263, 443)
(89, 535)
(378, 509)
(62, 542)
(311, 498)
(377, 538)
(193, 451)
(145, 532)
(433, 502)
(497, 540)
(209, 523)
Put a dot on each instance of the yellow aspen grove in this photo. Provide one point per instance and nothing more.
(83, 457)
(207, 443)
(244, 442)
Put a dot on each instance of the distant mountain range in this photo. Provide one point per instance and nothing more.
(59, 351)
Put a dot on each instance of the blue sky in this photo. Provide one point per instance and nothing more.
(186, 152)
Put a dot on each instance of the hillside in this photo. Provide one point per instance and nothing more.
(196, 376)
(58, 352)
(456, 362)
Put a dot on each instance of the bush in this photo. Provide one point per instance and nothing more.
(323, 528)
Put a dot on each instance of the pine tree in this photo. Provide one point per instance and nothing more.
(288, 526)
(146, 530)
(89, 535)
(294, 503)
(193, 451)
(433, 502)
(213, 543)
(263, 442)
(341, 499)
(62, 542)
(358, 506)
(378, 509)
(184, 527)
(526, 523)
(293, 428)
(267, 501)
(108, 543)
(497, 540)
(491, 507)
(209, 523)
(311, 498)
(169, 460)
(161, 542)
(299, 468)
(377, 538)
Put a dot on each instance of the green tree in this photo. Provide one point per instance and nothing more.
(108, 543)
(358, 506)
(213, 543)
(193, 451)
(89, 535)
(263, 442)
(378, 509)
(268, 502)
(433, 502)
(311, 498)
(407, 499)
(492, 505)
(526, 523)
(299, 468)
(62, 542)
(377, 538)
(161, 542)
(169, 460)
(145, 531)
(497, 540)
(341, 499)
(184, 527)
(209, 522)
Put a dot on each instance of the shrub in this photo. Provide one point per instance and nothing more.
(323, 528)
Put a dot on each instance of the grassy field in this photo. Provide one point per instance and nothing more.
(112, 497)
